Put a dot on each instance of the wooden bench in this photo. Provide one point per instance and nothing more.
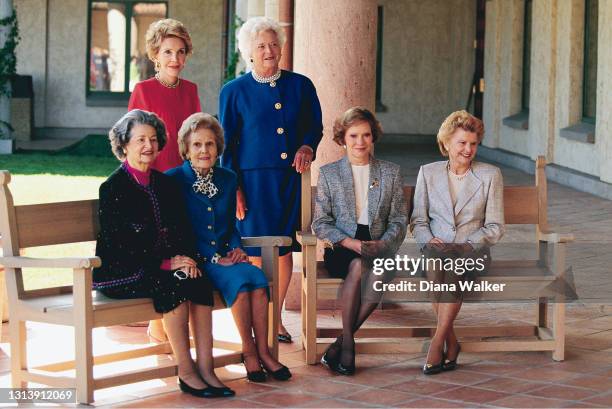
(78, 306)
(522, 205)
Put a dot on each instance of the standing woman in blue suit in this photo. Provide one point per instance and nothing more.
(210, 193)
(272, 123)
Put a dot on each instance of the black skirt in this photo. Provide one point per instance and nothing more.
(338, 259)
(167, 291)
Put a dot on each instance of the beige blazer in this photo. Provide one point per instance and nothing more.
(478, 216)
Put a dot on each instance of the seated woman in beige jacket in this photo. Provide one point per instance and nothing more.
(458, 210)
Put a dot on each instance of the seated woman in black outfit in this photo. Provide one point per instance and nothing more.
(360, 212)
(147, 248)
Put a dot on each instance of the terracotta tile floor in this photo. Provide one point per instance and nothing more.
(482, 380)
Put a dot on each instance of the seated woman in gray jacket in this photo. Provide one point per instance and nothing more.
(458, 212)
(360, 211)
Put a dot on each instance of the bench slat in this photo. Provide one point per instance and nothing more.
(57, 223)
(521, 205)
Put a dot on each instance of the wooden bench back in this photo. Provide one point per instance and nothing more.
(44, 224)
(522, 204)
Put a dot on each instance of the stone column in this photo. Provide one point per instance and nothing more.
(543, 78)
(285, 18)
(603, 127)
(335, 46)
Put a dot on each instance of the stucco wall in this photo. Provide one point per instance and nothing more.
(503, 75)
(31, 51)
(59, 69)
(428, 62)
(603, 131)
(492, 75)
(576, 155)
(556, 83)
(204, 19)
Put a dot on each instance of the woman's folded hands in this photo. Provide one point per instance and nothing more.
(186, 264)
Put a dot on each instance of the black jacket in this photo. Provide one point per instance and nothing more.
(139, 227)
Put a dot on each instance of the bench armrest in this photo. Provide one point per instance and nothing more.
(306, 239)
(266, 241)
(552, 237)
(68, 262)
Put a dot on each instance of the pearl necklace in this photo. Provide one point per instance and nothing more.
(456, 176)
(265, 80)
(165, 84)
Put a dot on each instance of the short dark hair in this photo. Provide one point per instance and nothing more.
(120, 133)
(351, 117)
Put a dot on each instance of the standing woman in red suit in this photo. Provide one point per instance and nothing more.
(173, 99)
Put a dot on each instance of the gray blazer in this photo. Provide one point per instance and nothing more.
(477, 218)
(334, 216)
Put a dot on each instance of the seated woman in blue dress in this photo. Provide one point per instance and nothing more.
(210, 193)
(147, 248)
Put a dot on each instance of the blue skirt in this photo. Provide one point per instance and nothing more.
(234, 279)
(273, 198)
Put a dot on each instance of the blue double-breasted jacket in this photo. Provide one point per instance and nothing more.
(213, 219)
(266, 123)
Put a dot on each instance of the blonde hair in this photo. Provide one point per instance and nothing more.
(249, 30)
(159, 30)
(199, 120)
(458, 120)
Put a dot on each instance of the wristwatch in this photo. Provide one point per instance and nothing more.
(215, 258)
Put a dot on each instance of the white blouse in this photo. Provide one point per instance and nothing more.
(361, 178)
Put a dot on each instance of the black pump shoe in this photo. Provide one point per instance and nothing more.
(345, 370)
(200, 393)
(255, 376)
(449, 365)
(328, 362)
(433, 369)
(281, 374)
(220, 392)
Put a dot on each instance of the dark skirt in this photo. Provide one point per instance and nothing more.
(338, 259)
(167, 291)
(273, 199)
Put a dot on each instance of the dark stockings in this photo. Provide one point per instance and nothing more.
(355, 311)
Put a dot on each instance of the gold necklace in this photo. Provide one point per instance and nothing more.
(165, 84)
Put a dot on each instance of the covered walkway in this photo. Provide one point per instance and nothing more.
(483, 380)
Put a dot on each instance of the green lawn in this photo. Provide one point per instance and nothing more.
(64, 165)
(44, 178)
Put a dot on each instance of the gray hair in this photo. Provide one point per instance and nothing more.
(249, 30)
(199, 120)
(121, 133)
